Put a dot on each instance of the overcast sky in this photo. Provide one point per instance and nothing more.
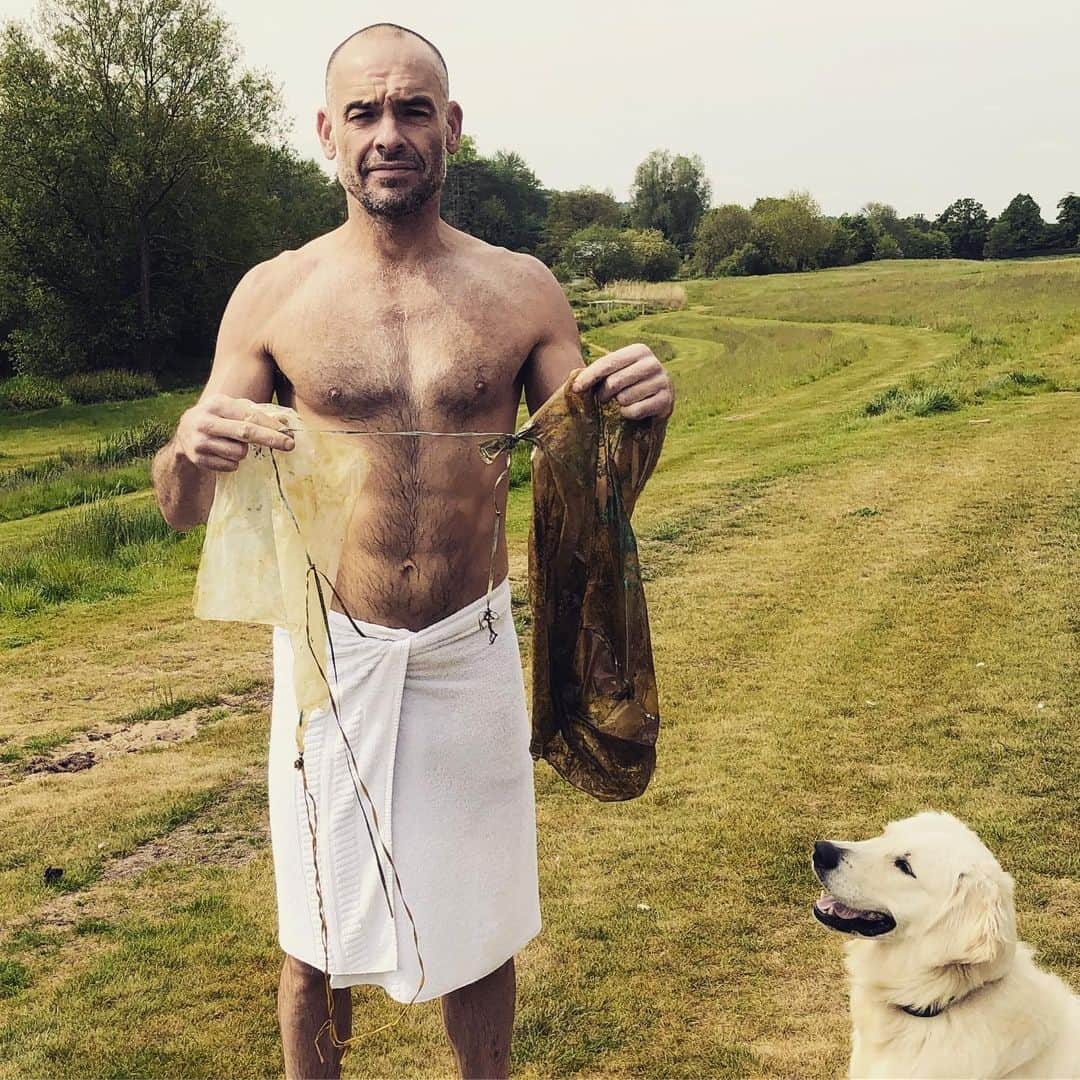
(914, 103)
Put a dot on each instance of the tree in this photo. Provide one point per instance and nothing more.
(966, 225)
(720, 232)
(569, 211)
(109, 125)
(498, 199)
(657, 258)
(602, 253)
(1020, 230)
(670, 194)
(790, 232)
(1069, 218)
(852, 241)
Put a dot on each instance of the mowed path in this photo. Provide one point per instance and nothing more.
(852, 620)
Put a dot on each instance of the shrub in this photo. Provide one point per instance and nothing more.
(109, 385)
(26, 392)
(142, 440)
(916, 400)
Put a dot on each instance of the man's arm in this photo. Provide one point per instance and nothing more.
(213, 435)
(631, 374)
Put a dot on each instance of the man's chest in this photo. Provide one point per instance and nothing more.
(448, 354)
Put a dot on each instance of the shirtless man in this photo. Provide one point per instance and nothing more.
(402, 322)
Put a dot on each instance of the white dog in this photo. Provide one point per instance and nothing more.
(940, 987)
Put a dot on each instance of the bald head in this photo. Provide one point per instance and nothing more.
(390, 30)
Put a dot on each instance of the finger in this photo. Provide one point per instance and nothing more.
(212, 463)
(606, 365)
(244, 409)
(247, 431)
(637, 372)
(639, 391)
(653, 405)
(230, 449)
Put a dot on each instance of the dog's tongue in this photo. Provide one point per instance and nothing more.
(829, 905)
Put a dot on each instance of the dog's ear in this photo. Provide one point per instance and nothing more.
(982, 916)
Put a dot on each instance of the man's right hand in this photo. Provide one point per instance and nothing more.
(215, 433)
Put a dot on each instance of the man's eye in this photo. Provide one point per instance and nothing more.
(905, 866)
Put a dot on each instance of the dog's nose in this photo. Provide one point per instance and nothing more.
(826, 855)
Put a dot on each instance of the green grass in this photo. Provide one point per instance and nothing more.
(101, 552)
(853, 617)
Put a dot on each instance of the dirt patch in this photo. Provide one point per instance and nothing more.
(201, 842)
(104, 741)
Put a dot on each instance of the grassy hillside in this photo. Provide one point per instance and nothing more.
(857, 612)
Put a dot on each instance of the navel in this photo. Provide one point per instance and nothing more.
(409, 567)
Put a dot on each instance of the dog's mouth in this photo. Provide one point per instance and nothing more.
(838, 916)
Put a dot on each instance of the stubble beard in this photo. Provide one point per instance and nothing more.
(391, 204)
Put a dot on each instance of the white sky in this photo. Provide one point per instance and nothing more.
(914, 103)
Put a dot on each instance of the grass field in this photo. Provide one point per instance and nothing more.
(857, 612)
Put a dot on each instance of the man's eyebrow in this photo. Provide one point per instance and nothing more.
(412, 99)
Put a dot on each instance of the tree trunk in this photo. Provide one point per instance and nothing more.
(144, 296)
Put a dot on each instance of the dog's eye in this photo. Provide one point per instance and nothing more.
(905, 866)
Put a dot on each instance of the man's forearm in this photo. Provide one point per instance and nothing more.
(184, 491)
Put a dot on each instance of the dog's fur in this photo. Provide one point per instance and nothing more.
(953, 947)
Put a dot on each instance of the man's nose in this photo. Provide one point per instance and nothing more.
(827, 855)
(388, 139)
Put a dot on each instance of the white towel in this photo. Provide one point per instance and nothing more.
(439, 729)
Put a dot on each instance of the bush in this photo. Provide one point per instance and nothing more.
(110, 385)
(25, 392)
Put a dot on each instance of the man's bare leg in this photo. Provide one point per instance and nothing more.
(301, 1013)
(479, 1019)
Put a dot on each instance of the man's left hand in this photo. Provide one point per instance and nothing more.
(635, 378)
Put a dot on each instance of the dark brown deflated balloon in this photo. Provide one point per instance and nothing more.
(595, 714)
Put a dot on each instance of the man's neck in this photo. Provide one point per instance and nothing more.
(400, 241)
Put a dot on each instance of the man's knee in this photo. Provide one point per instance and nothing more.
(302, 979)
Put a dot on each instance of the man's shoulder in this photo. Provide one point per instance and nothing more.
(515, 271)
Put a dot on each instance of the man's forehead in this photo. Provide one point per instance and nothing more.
(380, 64)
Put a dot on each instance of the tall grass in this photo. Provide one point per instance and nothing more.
(102, 551)
(660, 294)
(119, 464)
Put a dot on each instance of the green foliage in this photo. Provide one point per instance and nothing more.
(109, 385)
(790, 233)
(142, 172)
(656, 259)
(966, 225)
(721, 232)
(100, 552)
(1069, 219)
(887, 247)
(916, 400)
(670, 193)
(601, 252)
(497, 199)
(853, 239)
(1019, 231)
(27, 392)
(570, 211)
(14, 977)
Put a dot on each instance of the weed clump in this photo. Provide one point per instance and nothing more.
(102, 552)
(109, 385)
(24, 393)
(918, 400)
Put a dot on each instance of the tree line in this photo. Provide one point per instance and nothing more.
(143, 171)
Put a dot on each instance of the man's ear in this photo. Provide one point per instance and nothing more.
(983, 920)
(454, 118)
(325, 130)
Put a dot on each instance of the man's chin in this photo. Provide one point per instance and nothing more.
(399, 201)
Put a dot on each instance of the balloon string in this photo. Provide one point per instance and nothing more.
(497, 443)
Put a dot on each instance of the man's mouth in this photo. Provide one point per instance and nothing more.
(848, 920)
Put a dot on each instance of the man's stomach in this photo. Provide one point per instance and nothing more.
(413, 585)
